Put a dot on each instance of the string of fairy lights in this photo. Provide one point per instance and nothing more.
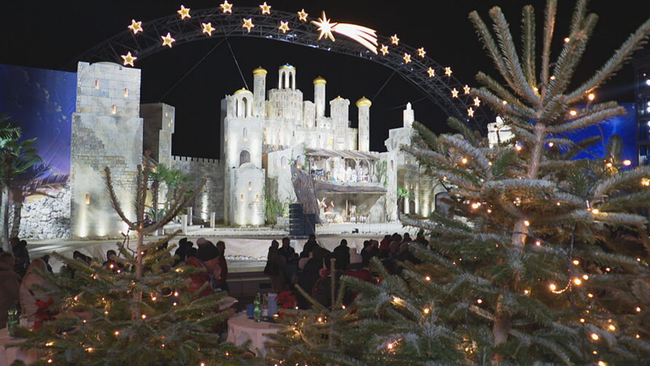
(576, 277)
(326, 29)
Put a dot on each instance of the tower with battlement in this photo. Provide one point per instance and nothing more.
(106, 120)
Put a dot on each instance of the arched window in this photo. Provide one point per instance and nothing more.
(283, 162)
(392, 165)
(244, 157)
(244, 133)
(241, 108)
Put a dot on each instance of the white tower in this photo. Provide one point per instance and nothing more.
(259, 92)
(242, 156)
(287, 79)
(364, 105)
(409, 116)
(339, 110)
(319, 96)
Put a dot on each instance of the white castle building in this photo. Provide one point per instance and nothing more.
(276, 147)
(262, 136)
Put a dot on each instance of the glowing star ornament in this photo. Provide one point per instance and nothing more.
(384, 50)
(407, 58)
(302, 15)
(265, 8)
(167, 40)
(448, 71)
(470, 112)
(248, 24)
(454, 93)
(421, 52)
(325, 27)
(431, 72)
(226, 7)
(207, 28)
(135, 27)
(394, 40)
(363, 35)
(284, 26)
(477, 102)
(184, 12)
(466, 89)
(128, 59)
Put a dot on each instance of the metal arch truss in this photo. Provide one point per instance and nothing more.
(437, 88)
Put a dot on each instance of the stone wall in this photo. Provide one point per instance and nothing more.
(46, 217)
(212, 197)
(106, 132)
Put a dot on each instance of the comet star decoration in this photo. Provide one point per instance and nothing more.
(363, 35)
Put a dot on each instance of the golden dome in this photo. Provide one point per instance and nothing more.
(259, 71)
(243, 91)
(364, 102)
(320, 81)
(338, 98)
(286, 66)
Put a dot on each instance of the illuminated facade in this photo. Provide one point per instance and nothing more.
(264, 134)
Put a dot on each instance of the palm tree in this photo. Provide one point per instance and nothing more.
(15, 158)
(172, 178)
(36, 180)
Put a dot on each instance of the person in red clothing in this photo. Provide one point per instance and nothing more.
(356, 268)
(221, 282)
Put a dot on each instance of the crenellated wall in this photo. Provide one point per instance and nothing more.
(211, 199)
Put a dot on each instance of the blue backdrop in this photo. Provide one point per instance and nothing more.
(624, 126)
(42, 102)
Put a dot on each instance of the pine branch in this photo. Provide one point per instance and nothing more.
(473, 152)
(430, 138)
(502, 30)
(570, 57)
(619, 181)
(634, 42)
(507, 110)
(528, 44)
(115, 202)
(490, 45)
(589, 119)
(504, 95)
(554, 110)
(549, 29)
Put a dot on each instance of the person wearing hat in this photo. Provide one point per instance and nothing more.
(209, 255)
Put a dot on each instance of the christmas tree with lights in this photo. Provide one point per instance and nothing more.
(542, 259)
(135, 309)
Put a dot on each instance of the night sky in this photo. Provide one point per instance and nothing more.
(49, 34)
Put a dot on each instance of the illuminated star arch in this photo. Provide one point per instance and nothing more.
(144, 38)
